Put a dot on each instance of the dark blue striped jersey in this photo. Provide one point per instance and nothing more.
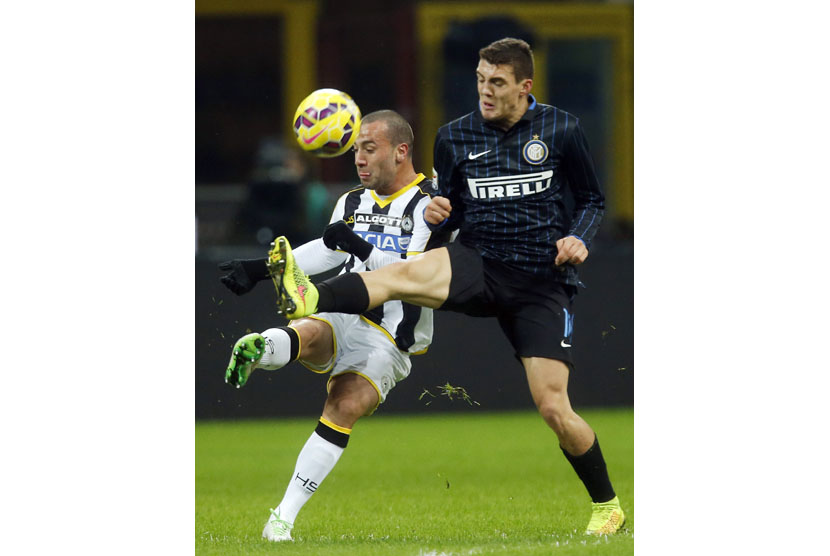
(508, 188)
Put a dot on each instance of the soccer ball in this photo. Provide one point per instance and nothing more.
(327, 122)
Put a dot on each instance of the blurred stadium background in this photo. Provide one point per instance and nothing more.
(256, 59)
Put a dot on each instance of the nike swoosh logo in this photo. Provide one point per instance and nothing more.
(564, 345)
(472, 156)
(311, 140)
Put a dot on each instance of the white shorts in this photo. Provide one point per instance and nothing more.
(362, 348)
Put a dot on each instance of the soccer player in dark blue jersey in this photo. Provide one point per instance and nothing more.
(502, 173)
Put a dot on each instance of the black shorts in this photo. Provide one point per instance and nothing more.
(535, 313)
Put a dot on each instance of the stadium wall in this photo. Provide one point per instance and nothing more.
(467, 352)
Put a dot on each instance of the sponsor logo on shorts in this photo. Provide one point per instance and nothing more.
(517, 186)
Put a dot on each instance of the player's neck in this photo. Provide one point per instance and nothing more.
(513, 118)
(404, 177)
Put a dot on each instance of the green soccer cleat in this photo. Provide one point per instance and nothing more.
(276, 529)
(296, 295)
(247, 352)
(606, 519)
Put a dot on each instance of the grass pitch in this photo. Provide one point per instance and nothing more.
(471, 483)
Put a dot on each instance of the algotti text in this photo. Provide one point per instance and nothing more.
(380, 219)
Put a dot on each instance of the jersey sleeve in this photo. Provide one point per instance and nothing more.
(314, 257)
(420, 232)
(339, 209)
(589, 201)
(379, 258)
(449, 183)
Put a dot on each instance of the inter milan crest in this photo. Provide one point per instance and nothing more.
(535, 151)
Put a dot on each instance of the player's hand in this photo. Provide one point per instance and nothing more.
(438, 210)
(570, 250)
(244, 274)
(339, 235)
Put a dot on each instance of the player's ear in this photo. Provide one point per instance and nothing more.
(527, 84)
(400, 152)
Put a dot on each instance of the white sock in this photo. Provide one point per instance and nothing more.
(317, 458)
(277, 350)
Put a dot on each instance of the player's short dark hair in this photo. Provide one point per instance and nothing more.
(515, 53)
(398, 129)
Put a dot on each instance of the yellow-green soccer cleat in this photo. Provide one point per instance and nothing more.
(296, 295)
(607, 518)
(247, 352)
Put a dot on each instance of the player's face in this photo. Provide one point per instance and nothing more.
(501, 99)
(374, 157)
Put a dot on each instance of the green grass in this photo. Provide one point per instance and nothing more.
(471, 483)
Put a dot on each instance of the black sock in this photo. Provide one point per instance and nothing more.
(345, 293)
(590, 468)
(295, 341)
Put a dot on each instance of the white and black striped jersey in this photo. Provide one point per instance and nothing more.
(395, 225)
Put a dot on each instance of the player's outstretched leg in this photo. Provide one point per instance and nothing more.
(606, 518)
(296, 295)
(247, 352)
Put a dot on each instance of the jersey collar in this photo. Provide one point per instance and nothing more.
(389, 198)
(531, 110)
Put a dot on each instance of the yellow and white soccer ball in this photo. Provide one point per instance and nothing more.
(327, 122)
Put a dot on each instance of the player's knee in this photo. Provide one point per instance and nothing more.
(310, 339)
(555, 410)
(348, 408)
(315, 340)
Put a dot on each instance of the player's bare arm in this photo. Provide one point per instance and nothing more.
(570, 250)
(438, 210)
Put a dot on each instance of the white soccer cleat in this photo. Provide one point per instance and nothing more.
(276, 529)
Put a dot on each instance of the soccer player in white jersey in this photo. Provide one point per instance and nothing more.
(376, 224)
